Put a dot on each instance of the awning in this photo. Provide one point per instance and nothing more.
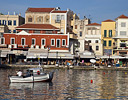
(61, 55)
(87, 56)
(104, 57)
(4, 52)
(117, 57)
(36, 56)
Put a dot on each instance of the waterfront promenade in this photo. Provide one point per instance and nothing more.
(70, 67)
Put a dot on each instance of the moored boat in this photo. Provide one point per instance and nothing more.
(34, 75)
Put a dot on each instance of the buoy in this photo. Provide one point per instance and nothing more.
(38, 72)
(91, 81)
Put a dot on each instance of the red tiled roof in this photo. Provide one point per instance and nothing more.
(93, 24)
(37, 26)
(58, 11)
(122, 16)
(40, 9)
(108, 20)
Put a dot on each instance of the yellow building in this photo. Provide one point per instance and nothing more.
(107, 34)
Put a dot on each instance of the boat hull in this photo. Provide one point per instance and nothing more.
(31, 79)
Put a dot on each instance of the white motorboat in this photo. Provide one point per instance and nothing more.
(35, 75)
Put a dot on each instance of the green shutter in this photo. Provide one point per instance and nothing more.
(110, 43)
(105, 33)
(104, 43)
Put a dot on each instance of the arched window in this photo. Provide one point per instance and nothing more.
(40, 19)
(29, 19)
(47, 18)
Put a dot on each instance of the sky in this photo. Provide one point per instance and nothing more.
(96, 10)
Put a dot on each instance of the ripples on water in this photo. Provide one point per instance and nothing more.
(68, 85)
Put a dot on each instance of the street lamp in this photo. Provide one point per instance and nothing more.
(57, 56)
(48, 54)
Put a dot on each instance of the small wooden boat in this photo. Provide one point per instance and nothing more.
(35, 75)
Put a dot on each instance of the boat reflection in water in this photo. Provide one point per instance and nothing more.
(35, 86)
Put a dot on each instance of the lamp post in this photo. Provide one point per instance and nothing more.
(48, 54)
(57, 56)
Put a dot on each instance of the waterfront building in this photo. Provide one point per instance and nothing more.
(61, 19)
(45, 30)
(8, 23)
(107, 34)
(93, 36)
(121, 37)
(79, 27)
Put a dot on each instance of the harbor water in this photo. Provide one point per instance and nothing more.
(68, 84)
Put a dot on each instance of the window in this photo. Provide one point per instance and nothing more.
(63, 42)
(4, 22)
(123, 33)
(30, 19)
(47, 18)
(105, 43)
(2, 40)
(33, 41)
(89, 41)
(14, 22)
(122, 44)
(0, 22)
(43, 42)
(52, 42)
(9, 31)
(58, 19)
(123, 24)
(80, 33)
(23, 41)
(105, 33)
(36, 31)
(40, 19)
(9, 22)
(96, 41)
(90, 48)
(75, 26)
(81, 26)
(12, 40)
(62, 17)
(48, 32)
(110, 43)
(14, 31)
(110, 33)
(58, 43)
(97, 48)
